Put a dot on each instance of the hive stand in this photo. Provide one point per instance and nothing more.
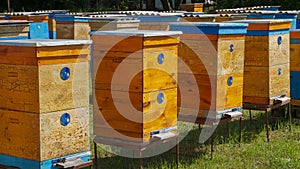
(140, 147)
(267, 108)
(215, 122)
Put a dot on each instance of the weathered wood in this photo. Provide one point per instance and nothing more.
(114, 23)
(72, 30)
(42, 137)
(12, 28)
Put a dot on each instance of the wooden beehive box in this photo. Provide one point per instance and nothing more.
(199, 18)
(14, 29)
(295, 66)
(195, 7)
(267, 61)
(214, 55)
(230, 17)
(158, 21)
(133, 107)
(38, 28)
(44, 100)
(72, 27)
(113, 23)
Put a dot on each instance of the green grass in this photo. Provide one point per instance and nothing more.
(283, 150)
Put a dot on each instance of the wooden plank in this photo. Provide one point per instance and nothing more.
(52, 24)
(64, 31)
(81, 31)
(124, 120)
(18, 55)
(19, 88)
(199, 56)
(231, 62)
(160, 40)
(158, 76)
(256, 82)
(16, 29)
(257, 51)
(19, 134)
(65, 51)
(57, 140)
(279, 54)
(56, 94)
(295, 57)
(279, 80)
(295, 102)
(117, 43)
(160, 26)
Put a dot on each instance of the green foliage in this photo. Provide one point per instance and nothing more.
(100, 5)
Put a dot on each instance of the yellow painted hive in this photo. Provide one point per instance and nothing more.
(195, 7)
(44, 99)
(135, 83)
(267, 61)
(210, 71)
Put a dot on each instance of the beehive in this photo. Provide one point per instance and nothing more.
(113, 23)
(72, 27)
(267, 61)
(134, 107)
(157, 21)
(199, 18)
(230, 17)
(44, 101)
(17, 29)
(288, 15)
(38, 28)
(214, 54)
(295, 66)
(195, 7)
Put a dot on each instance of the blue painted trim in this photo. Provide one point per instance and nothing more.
(295, 83)
(157, 18)
(209, 28)
(31, 164)
(261, 16)
(267, 32)
(294, 41)
(71, 18)
(52, 34)
(271, 9)
(298, 24)
(193, 13)
(14, 38)
(38, 30)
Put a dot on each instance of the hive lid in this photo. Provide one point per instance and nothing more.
(43, 42)
(262, 21)
(209, 28)
(142, 33)
(71, 18)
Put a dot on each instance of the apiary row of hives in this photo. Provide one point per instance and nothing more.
(142, 79)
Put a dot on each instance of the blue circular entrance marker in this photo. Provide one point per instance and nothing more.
(160, 58)
(65, 73)
(231, 48)
(279, 40)
(160, 98)
(279, 71)
(230, 81)
(65, 119)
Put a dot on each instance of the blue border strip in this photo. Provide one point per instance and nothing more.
(294, 41)
(209, 29)
(14, 38)
(267, 32)
(31, 164)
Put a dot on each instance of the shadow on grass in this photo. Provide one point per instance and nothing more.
(191, 149)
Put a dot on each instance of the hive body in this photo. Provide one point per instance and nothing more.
(44, 100)
(214, 54)
(137, 68)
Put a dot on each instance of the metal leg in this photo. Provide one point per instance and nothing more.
(250, 114)
(240, 131)
(267, 124)
(140, 161)
(212, 145)
(290, 115)
(177, 152)
(96, 155)
(227, 128)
